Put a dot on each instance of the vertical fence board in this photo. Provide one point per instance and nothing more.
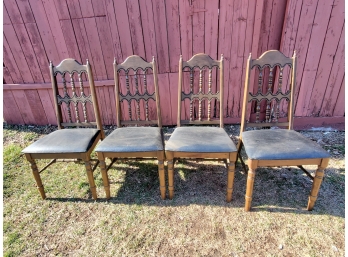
(7, 76)
(225, 41)
(161, 35)
(121, 14)
(135, 27)
(12, 42)
(56, 29)
(29, 53)
(106, 46)
(302, 41)
(45, 31)
(11, 64)
(12, 107)
(173, 87)
(110, 13)
(36, 107)
(185, 29)
(173, 29)
(70, 40)
(315, 45)
(340, 103)
(25, 10)
(332, 40)
(39, 50)
(47, 106)
(165, 103)
(147, 21)
(24, 106)
(336, 75)
(197, 13)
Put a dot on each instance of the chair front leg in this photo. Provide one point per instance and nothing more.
(170, 157)
(319, 174)
(37, 177)
(104, 175)
(91, 179)
(250, 184)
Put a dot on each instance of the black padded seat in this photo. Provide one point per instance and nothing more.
(132, 139)
(64, 141)
(200, 139)
(280, 144)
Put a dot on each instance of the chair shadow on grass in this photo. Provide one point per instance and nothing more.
(201, 183)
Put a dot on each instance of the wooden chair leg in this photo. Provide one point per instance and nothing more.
(230, 179)
(319, 174)
(162, 178)
(170, 162)
(250, 184)
(37, 177)
(105, 177)
(91, 179)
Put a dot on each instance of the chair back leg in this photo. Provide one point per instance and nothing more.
(161, 174)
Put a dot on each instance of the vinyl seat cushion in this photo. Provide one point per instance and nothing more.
(200, 139)
(280, 144)
(132, 139)
(65, 141)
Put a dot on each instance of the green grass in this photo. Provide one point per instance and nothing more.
(197, 222)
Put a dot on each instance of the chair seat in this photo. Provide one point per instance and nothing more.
(65, 141)
(200, 139)
(132, 139)
(280, 144)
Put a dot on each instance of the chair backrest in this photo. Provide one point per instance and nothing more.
(140, 83)
(200, 61)
(273, 96)
(71, 97)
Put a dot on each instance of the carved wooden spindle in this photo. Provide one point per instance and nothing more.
(81, 83)
(277, 111)
(209, 80)
(191, 91)
(269, 91)
(129, 110)
(127, 82)
(66, 95)
(128, 92)
(259, 90)
(209, 100)
(138, 110)
(72, 82)
(280, 79)
(84, 111)
(146, 110)
(145, 82)
(209, 91)
(136, 83)
(200, 90)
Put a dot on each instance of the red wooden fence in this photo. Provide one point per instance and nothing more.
(36, 31)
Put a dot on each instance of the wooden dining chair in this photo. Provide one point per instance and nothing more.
(76, 143)
(276, 147)
(195, 141)
(140, 142)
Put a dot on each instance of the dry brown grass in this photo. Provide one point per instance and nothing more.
(198, 222)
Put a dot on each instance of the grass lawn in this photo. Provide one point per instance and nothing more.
(197, 222)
